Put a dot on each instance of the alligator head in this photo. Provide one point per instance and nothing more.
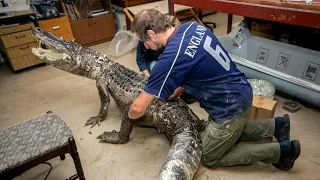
(69, 56)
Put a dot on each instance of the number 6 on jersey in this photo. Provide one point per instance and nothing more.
(217, 53)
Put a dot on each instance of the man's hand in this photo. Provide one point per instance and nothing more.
(176, 93)
(139, 106)
(146, 72)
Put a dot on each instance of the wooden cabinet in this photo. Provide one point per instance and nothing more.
(58, 26)
(21, 50)
(82, 31)
(25, 61)
(95, 30)
(18, 38)
(16, 45)
(104, 27)
(67, 36)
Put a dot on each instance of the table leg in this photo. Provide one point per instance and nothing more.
(76, 159)
(171, 8)
(229, 23)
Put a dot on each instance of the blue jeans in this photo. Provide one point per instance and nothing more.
(151, 65)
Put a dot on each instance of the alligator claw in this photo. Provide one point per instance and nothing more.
(94, 121)
(109, 137)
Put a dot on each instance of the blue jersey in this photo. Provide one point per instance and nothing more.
(195, 60)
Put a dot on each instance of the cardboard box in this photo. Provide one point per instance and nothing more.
(263, 108)
(263, 35)
(264, 30)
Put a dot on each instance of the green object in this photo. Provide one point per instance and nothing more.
(222, 146)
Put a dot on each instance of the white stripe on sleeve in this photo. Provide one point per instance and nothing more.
(174, 59)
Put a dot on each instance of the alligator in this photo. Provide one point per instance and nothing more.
(172, 118)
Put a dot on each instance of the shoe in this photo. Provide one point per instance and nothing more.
(284, 133)
(286, 160)
(188, 98)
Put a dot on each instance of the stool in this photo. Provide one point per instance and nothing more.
(33, 142)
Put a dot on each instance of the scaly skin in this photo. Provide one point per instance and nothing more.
(173, 118)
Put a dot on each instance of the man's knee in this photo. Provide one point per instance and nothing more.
(209, 162)
(205, 161)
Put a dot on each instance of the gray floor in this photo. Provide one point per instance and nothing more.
(37, 90)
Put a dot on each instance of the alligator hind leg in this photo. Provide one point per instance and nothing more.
(115, 137)
(200, 123)
(105, 100)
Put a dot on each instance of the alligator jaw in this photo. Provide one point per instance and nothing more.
(48, 55)
(58, 54)
(54, 43)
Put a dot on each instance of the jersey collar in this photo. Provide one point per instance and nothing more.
(173, 33)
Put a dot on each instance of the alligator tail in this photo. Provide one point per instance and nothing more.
(184, 157)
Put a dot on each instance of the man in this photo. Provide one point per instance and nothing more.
(194, 61)
(146, 58)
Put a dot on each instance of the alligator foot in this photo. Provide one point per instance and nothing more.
(94, 121)
(123, 135)
(112, 137)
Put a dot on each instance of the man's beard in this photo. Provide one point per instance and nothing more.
(160, 48)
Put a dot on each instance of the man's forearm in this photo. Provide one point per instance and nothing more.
(135, 112)
(139, 106)
(176, 93)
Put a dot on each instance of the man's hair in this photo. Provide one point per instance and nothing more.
(149, 19)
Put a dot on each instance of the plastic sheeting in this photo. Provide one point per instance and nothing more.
(122, 43)
(262, 87)
(183, 158)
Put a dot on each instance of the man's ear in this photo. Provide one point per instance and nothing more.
(151, 33)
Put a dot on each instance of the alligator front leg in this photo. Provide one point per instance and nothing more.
(123, 135)
(105, 100)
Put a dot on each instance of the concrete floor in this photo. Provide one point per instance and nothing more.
(34, 91)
